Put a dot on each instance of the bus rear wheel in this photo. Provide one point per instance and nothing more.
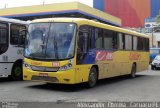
(17, 72)
(92, 78)
(133, 71)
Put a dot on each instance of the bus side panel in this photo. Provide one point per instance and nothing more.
(82, 73)
(116, 66)
(5, 68)
(143, 63)
(8, 58)
(122, 63)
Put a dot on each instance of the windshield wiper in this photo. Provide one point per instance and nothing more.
(55, 48)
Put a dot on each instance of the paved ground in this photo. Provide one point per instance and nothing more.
(145, 87)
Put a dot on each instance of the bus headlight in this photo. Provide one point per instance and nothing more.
(26, 65)
(67, 66)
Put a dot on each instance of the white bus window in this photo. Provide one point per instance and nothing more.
(3, 38)
(15, 38)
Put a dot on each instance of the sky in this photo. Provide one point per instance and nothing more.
(18, 3)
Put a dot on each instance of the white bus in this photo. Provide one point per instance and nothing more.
(11, 47)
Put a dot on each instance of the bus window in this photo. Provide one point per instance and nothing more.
(140, 45)
(135, 43)
(16, 38)
(98, 38)
(120, 41)
(128, 42)
(108, 39)
(115, 40)
(147, 45)
(3, 37)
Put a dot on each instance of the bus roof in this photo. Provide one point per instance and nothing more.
(80, 21)
(13, 20)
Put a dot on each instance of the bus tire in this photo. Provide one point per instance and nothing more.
(92, 78)
(17, 73)
(133, 71)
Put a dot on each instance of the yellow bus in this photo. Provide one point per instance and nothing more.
(77, 50)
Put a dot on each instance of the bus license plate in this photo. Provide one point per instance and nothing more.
(43, 74)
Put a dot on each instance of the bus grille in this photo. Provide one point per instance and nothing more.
(45, 69)
(45, 78)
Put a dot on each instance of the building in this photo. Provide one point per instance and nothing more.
(152, 29)
(69, 9)
(131, 12)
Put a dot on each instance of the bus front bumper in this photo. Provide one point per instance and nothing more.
(62, 77)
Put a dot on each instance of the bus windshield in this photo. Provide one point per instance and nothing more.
(50, 41)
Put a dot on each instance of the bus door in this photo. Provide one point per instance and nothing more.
(84, 44)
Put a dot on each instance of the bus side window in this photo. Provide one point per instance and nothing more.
(16, 37)
(115, 40)
(147, 44)
(3, 37)
(120, 41)
(128, 42)
(140, 43)
(108, 39)
(135, 43)
(98, 38)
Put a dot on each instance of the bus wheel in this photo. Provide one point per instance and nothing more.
(133, 71)
(17, 72)
(92, 78)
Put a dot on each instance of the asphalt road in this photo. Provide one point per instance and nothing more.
(145, 87)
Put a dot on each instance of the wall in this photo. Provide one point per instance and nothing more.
(155, 7)
(132, 12)
(98, 4)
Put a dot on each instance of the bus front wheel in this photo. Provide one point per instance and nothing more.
(92, 78)
(17, 72)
